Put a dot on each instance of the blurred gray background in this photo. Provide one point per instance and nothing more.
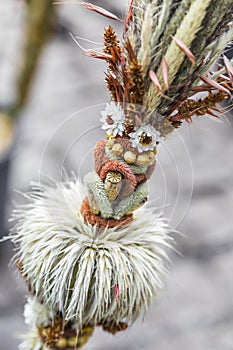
(192, 185)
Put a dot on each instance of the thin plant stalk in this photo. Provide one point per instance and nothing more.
(40, 15)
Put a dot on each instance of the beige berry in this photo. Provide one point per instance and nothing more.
(152, 157)
(44, 332)
(111, 142)
(72, 342)
(117, 149)
(62, 343)
(143, 159)
(130, 157)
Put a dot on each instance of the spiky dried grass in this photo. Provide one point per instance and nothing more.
(73, 268)
(144, 53)
(174, 56)
(176, 32)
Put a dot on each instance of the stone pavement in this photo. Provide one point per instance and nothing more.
(195, 312)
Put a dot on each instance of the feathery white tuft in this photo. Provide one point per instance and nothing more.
(74, 268)
(31, 341)
(35, 313)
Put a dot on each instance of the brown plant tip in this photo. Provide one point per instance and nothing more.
(133, 76)
(111, 86)
(131, 54)
(51, 334)
(115, 328)
(111, 42)
(136, 82)
(99, 221)
(124, 77)
(67, 338)
(199, 107)
(112, 48)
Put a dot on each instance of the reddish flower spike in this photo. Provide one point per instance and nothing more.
(185, 49)
(155, 81)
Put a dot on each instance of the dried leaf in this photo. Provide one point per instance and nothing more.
(99, 10)
(99, 55)
(214, 84)
(128, 17)
(201, 88)
(229, 68)
(185, 49)
(155, 81)
(224, 77)
(91, 7)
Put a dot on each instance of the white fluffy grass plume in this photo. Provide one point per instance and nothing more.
(32, 341)
(75, 268)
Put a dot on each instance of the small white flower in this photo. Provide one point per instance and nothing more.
(29, 312)
(116, 115)
(32, 341)
(144, 138)
(36, 314)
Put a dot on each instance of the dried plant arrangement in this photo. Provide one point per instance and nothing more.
(85, 260)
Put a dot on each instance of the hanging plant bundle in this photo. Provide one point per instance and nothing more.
(101, 260)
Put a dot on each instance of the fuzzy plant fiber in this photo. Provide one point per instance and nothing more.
(75, 268)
